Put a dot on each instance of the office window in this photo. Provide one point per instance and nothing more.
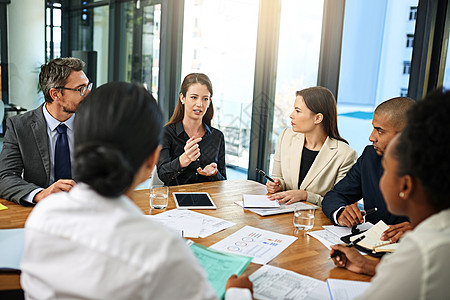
(409, 40)
(219, 39)
(298, 58)
(90, 40)
(403, 92)
(100, 41)
(53, 25)
(413, 13)
(372, 67)
(406, 67)
(446, 81)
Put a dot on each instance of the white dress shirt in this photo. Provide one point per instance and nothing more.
(80, 245)
(52, 134)
(420, 268)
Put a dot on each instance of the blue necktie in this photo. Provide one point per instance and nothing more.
(62, 154)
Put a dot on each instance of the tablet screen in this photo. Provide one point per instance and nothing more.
(193, 200)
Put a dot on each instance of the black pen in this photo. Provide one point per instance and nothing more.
(351, 244)
(364, 213)
(264, 174)
(369, 211)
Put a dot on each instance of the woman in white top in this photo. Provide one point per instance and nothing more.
(311, 157)
(415, 183)
(93, 242)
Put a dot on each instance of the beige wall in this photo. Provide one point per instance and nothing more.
(26, 50)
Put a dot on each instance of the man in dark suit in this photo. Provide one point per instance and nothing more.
(362, 181)
(37, 149)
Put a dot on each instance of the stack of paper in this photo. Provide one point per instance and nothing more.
(281, 210)
(191, 224)
(259, 201)
(270, 282)
(331, 235)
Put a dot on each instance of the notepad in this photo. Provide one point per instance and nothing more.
(2, 207)
(372, 240)
(259, 201)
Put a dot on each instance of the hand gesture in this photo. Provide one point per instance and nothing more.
(62, 185)
(209, 170)
(352, 260)
(351, 216)
(289, 197)
(239, 282)
(273, 187)
(191, 152)
(395, 232)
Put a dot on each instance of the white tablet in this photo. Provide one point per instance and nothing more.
(193, 200)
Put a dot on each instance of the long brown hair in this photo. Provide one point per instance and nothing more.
(321, 100)
(189, 80)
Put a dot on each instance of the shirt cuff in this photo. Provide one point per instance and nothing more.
(30, 197)
(335, 214)
(238, 293)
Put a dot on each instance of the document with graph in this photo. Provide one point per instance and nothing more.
(262, 245)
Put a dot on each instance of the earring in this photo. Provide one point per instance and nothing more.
(401, 194)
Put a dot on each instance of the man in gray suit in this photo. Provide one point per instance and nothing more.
(34, 141)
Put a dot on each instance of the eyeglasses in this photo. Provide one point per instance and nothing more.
(82, 89)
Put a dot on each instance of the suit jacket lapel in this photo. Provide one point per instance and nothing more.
(39, 128)
(296, 158)
(326, 154)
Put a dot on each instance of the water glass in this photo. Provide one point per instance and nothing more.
(304, 219)
(159, 196)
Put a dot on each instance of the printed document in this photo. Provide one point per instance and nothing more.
(281, 210)
(262, 245)
(271, 282)
(188, 221)
(346, 289)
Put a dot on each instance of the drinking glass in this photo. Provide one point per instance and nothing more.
(304, 219)
(159, 196)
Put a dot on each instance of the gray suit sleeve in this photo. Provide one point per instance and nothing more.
(12, 186)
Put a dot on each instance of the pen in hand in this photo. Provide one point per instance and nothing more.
(265, 175)
(349, 245)
(369, 211)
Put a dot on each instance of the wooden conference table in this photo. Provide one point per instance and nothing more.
(306, 256)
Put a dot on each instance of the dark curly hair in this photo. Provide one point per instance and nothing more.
(421, 150)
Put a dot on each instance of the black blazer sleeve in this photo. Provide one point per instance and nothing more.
(345, 192)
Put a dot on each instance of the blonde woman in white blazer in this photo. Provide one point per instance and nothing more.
(311, 157)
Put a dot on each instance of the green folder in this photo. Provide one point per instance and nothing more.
(219, 266)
